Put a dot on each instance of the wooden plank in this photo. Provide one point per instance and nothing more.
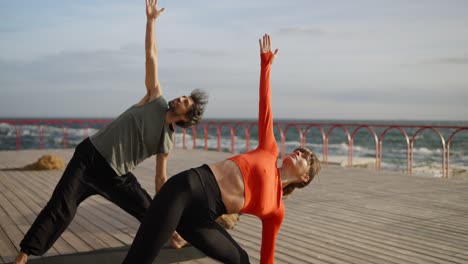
(35, 193)
(92, 209)
(44, 185)
(411, 226)
(354, 231)
(291, 250)
(69, 234)
(12, 232)
(324, 230)
(28, 197)
(7, 249)
(21, 204)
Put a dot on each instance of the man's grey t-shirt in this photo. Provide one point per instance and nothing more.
(138, 133)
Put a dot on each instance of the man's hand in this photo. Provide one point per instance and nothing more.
(152, 11)
(265, 46)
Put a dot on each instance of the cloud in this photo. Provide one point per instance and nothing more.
(398, 96)
(71, 71)
(303, 31)
(211, 53)
(461, 60)
(76, 83)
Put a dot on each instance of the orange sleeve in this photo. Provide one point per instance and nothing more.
(270, 229)
(266, 135)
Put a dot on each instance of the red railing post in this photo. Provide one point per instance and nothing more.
(348, 136)
(194, 137)
(379, 162)
(246, 133)
(218, 138)
(65, 137)
(41, 137)
(325, 151)
(233, 136)
(18, 138)
(324, 146)
(184, 146)
(283, 133)
(376, 141)
(408, 149)
(449, 141)
(282, 140)
(410, 172)
(205, 136)
(252, 124)
(442, 141)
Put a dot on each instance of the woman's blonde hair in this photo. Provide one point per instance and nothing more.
(314, 169)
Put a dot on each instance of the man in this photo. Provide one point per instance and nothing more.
(102, 163)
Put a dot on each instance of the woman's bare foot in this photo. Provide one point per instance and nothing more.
(21, 258)
(177, 241)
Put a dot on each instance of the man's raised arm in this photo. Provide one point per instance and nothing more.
(151, 78)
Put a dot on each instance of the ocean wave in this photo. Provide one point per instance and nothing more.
(426, 151)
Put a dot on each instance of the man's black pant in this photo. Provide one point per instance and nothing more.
(87, 173)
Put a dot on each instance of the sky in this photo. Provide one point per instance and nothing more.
(338, 59)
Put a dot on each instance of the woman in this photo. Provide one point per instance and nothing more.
(248, 183)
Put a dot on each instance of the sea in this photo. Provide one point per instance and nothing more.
(427, 157)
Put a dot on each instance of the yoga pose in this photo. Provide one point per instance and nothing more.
(102, 163)
(248, 183)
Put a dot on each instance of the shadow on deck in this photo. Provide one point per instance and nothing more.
(116, 255)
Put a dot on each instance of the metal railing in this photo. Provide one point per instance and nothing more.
(349, 130)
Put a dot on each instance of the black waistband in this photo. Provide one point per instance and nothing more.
(212, 190)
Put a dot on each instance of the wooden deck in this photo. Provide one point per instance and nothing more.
(345, 216)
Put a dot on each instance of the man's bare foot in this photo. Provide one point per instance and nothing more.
(21, 258)
(177, 241)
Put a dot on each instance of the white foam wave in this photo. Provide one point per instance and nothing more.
(426, 151)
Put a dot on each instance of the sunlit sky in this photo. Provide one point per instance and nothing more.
(360, 59)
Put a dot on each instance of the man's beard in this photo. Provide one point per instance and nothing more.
(171, 106)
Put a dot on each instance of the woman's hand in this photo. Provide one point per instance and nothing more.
(265, 46)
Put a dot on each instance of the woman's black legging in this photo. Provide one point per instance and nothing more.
(189, 202)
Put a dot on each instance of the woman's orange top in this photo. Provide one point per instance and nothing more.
(262, 183)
